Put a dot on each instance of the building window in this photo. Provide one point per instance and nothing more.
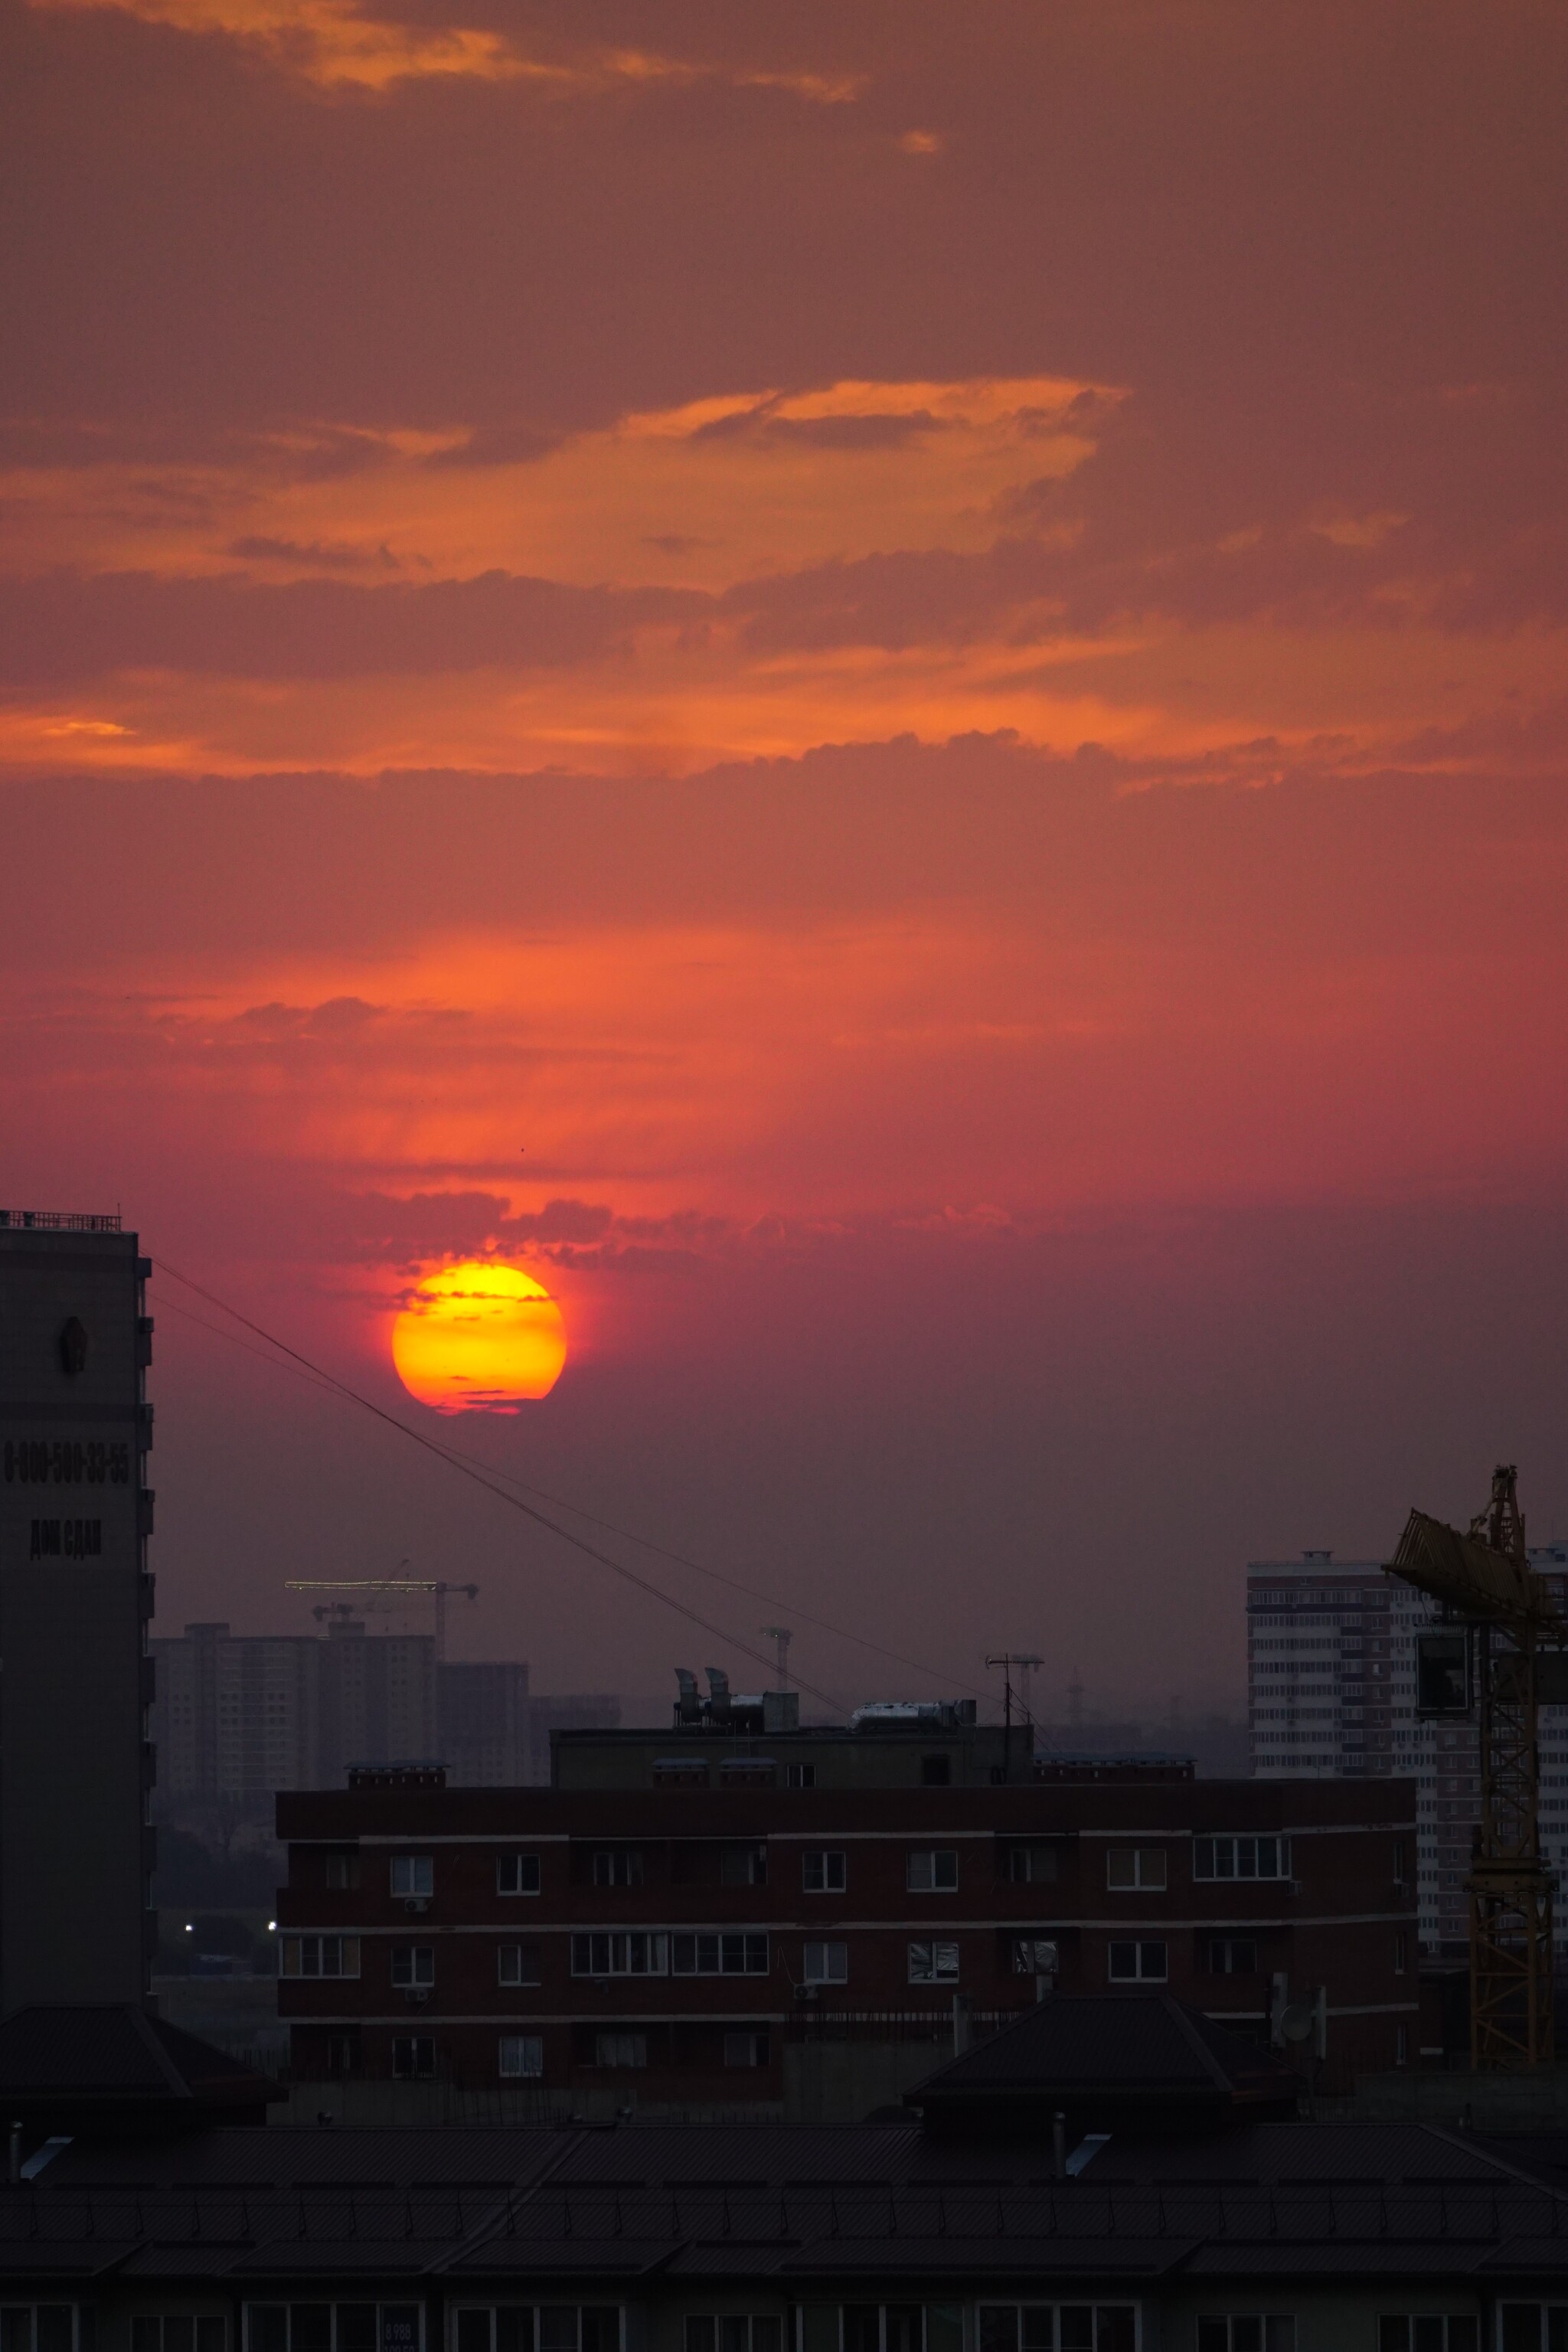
(637, 1954)
(735, 2332)
(1139, 1964)
(342, 1870)
(1135, 1865)
(1241, 1857)
(883, 2327)
(620, 2049)
(1401, 1954)
(413, 1965)
(342, 2056)
(1059, 2327)
(1029, 1862)
(617, 1866)
(333, 2327)
(823, 1870)
(414, 1875)
(205, 2333)
(1532, 2326)
(736, 1955)
(1262, 2332)
(555, 2327)
(1402, 2045)
(934, 1963)
(414, 2057)
(746, 2048)
(800, 1776)
(936, 1772)
(320, 1955)
(521, 2054)
(932, 1871)
(743, 1866)
(1439, 2332)
(1233, 1956)
(517, 1874)
(1034, 1956)
(517, 1964)
(46, 2327)
(827, 1964)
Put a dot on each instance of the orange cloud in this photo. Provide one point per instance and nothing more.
(335, 44)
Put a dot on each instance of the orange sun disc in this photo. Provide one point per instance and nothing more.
(478, 1338)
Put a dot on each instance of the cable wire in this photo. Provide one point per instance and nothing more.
(466, 1468)
(456, 1456)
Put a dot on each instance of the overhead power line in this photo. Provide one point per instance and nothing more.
(466, 1468)
(457, 1457)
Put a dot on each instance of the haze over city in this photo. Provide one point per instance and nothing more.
(881, 690)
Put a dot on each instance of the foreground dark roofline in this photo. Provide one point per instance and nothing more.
(1112, 2056)
(646, 2212)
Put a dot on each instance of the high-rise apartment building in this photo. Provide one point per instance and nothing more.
(239, 1717)
(1332, 1692)
(484, 1722)
(75, 1598)
(236, 1718)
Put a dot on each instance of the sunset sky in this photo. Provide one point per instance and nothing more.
(884, 687)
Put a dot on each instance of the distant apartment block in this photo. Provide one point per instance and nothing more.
(238, 1717)
(1332, 1692)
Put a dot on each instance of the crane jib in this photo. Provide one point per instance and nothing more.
(1476, 1580)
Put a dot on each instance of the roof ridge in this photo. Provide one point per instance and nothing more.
(1191, 2023)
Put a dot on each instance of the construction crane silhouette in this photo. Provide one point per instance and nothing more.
(378, 1587)
(1508, 1643)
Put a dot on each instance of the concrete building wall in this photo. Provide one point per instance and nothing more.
(926, 1755)
(679, 1941)
(484, 1723)
(378, 1699)
(75, 1852)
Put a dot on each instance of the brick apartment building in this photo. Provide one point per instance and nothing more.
(662, 1946)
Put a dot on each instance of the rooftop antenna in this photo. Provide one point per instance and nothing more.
(1022, 1661)
(780, 1637)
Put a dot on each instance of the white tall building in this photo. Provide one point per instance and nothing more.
(1332, 1692)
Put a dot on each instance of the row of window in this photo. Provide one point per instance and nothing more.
(863, 2327)
(825, 1870)
(649, 1952)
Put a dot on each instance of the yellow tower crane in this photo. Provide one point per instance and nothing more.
(1506, 1634)
(385, 1592)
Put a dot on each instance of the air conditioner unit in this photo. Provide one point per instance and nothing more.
(806, 1992)
(417, 1994)
(416, 1903)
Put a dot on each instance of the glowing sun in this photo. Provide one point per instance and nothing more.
(478, 1338)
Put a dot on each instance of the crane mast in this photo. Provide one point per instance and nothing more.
(1485, 1583)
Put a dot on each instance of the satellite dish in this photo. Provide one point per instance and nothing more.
(1296, 2023)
